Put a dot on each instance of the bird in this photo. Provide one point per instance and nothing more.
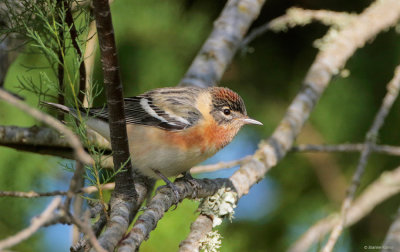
(172, 129)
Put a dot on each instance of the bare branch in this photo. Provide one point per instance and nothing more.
(123, 200)
(72, 139)
(358, 147)
(299, 17)
(74, 184)
(60, 55)
(74, 38)
(387, 185)
(162, 201)
(199, 229)
(84, 226)
(46, 216)
(219, 166)
(31, 194)
(221, 45)
(393, 88)
(96, 227)
(43, 140)
(382, 149)
(143, 186)
(115, 98)
(92, 189)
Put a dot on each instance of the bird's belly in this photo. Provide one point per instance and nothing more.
(155, 150)
(168, 161)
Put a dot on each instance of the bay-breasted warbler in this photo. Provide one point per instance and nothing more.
(172, 129)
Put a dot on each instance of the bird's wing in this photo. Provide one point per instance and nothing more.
(162, 111)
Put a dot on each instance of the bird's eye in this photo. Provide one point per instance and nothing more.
(227, 111)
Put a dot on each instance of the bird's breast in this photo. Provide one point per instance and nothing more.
(204, 136)
(174, 152)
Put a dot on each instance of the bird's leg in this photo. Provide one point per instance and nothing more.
(188, 177)
(171, 185)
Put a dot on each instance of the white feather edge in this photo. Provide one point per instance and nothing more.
(97, 125)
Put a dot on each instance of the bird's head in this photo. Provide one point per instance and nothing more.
(228, 109)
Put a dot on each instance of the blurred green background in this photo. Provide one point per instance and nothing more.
(157, 41)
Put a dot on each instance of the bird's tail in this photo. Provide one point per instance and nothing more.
(100, 126)
(59, 107)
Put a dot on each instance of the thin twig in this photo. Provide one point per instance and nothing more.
(74, 38)
(393, 88)
(77, 208)
(72, 139)
(299, 17)
(37, 222)
(74, 185)
(386, 186)
(92, 189)
(96, 227)
(32, 194)
(60, 64)
(85, 227)
(358, 147)
(219, 166)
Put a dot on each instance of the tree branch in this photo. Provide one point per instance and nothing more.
(393, 88)
(115, 98)
(88, 231)
(32, 194)
(43, 140)
(358, 147)
(72, 139)
(46, 216)
(162, 201)
(299, 17)
(387, 185)
(123, 199)
(219, 166)
(221, 45)
(199, 229)
(74, 38)
(60, 55)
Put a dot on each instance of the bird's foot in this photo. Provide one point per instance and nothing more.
(171, 185)
(188, 178)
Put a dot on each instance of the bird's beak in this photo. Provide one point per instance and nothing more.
(251, 121)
